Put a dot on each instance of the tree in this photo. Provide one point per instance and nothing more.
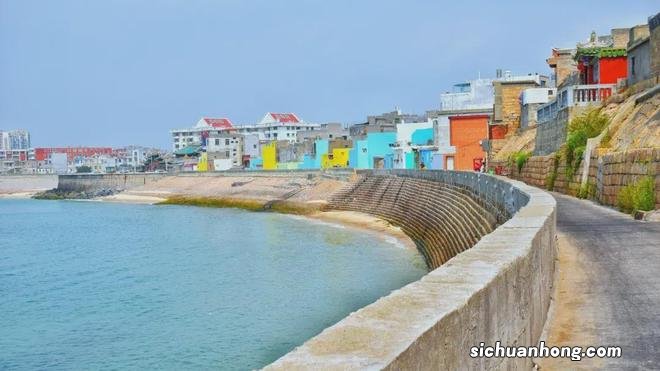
(83, 169)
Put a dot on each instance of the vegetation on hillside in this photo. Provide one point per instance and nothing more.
(587, 125)
(637, 196)
(519, 159)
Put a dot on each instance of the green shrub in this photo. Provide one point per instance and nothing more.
(519, 159)
(639, 195)
(587, 190)
(587, 125)
(552, 177)
(550, 181)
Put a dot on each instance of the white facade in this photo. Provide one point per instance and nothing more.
(277, 126)
(404, 144)
(226, 146)
(537, 95)
(194, 136)
(251, 145)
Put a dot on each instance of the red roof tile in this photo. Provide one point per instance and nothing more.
(285, 117)
(222, 123)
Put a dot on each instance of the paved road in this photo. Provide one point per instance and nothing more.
(609, 285)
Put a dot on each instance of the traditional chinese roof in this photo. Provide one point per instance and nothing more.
(600, 52)
(612, 53)
(220, 123)
(284, 117)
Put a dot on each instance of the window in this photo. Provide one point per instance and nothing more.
(632, 66)
(227, 154)
(217, 142)
(254, 146)
(227, 141)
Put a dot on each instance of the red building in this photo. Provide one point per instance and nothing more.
(601, 65)
(466, 132)
(41, 154)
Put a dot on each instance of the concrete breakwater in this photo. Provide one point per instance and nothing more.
(497, 290)
(490, 242)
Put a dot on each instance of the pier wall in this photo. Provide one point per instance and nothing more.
(493, 243)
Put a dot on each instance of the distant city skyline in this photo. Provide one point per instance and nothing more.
(117, 73)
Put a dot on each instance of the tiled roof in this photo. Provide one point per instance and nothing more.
(284, 117)
(221, 123)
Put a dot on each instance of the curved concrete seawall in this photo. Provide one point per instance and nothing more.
(492, 286)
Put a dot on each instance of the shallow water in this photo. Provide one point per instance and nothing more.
(89, 285)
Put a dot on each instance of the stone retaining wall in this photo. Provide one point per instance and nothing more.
(608, 173)
(497, 290)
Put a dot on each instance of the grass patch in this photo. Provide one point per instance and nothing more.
(252, 205)
(587, 125)
(290, 207)
(552, 177)
(519, 159)
(279, 206)
(637, 196)
(587, 190)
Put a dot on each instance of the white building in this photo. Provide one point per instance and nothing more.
(404, 141)
(277, 126)
(530, 100)
(196, 136)
(225, 150)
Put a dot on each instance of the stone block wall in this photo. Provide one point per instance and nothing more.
(608, 172)
(617, 170)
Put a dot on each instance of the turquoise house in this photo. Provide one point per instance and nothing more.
(422, 137)
(309, 161)
(359, 157)
(379, 145)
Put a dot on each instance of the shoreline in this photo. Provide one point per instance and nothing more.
(378, 227)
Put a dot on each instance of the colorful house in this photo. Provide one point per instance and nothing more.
(358, 156)
(466, 134)
(269, 156)
(339, 158)
(378, 146)
(603, 59)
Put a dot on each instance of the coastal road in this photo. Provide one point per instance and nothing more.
(608, 286)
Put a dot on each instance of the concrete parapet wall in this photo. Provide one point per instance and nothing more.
(94, 182)
(497, 290)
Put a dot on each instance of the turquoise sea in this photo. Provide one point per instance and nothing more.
(90, 285)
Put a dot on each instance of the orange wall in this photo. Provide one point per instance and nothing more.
(465, 133)
(611, 69)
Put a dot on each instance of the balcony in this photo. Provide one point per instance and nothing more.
(574, 96)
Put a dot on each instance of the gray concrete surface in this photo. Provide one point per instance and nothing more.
(610, 291)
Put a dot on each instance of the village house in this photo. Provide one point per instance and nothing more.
(224, 151)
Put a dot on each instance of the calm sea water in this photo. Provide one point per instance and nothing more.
(88, 285)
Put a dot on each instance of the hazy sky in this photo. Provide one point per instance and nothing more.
(126, 71)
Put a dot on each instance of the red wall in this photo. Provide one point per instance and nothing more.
(465, 133)
(611, 69)
(498, 131)
(40, 154)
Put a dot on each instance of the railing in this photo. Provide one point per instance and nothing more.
(574, 95)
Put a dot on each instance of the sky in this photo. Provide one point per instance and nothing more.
(120, 72)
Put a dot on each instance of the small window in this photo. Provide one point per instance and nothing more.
(226, 142)
(632, 65)
(217, 142)
(227, 154)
